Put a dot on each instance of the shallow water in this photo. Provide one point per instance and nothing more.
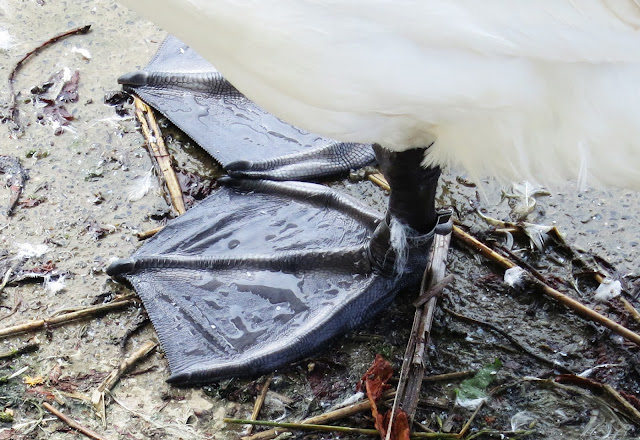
(85, 176)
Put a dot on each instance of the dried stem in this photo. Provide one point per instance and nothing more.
(342, 429)
(97, 397)
(379, 180)
(259, 402)
(72, 423)
(13, 106)
(449, 376)
(631, 310)
(467, 424)
(511, 339)
(413, 367)
(28, 348)
(574, 305)
(328, 417)
(158, 150)
(66, 317)
(149, 233)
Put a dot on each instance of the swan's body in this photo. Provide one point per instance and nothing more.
(543, 89)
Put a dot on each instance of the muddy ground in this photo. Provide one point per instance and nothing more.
(80, 210)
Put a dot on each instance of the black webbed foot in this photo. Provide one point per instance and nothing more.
(260, 274)
(241, 136)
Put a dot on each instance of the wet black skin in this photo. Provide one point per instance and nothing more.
(263, 273)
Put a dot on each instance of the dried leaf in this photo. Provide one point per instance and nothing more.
(400, 428)
(375, 383)
(33, 381)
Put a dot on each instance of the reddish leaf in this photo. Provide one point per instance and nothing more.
(375, 383)
(376, 377)
(399, 429)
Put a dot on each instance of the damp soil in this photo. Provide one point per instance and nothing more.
(82, 206)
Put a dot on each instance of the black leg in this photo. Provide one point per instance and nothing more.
(411, 202)
(413, 188)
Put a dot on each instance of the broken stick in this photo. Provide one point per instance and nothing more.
(574, 305)
(66, 317)
(413, 367)
(97, 397)
(158, 150)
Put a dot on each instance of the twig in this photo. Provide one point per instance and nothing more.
(158, 150)
(149, 233)
(574, 305)
(433, 291)
(13, 106)
(627, 409)
(511, 339)
(500, 434)
(631, 310)
(304, 426)
(97, 397)
(413, 366)
(259, 402)
(8, 273)
(631, 410)
(467, 425)
(17, 302)
(448, 376)
(66, 317)
(28, 348)
(330, 416)
(592, 385)
(379, 180)
(343, 429)
(72, 423)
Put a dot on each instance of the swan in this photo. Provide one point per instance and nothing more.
(544, 91)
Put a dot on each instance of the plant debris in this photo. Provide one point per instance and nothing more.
(16, 177)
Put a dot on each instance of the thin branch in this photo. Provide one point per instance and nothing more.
(449, 376)
(574, 305)
(149, 233)
(511, 339)
(72, 423)
(259, 402)
(328, 417)
(413, 366)
(631, 310)
(28, 348)
(304, 426)
(9, 272)
(97, 397)
(158, 150)
(342, 429)
(433, 291)
(13, 106)
(379, 180)
(467, 425)
(66, 317)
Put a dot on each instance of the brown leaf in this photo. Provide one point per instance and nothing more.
(399, 429)
(375, 383)
(376, 377)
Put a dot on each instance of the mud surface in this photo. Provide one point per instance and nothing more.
(82, 206)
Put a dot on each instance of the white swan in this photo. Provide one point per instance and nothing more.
(544, 90)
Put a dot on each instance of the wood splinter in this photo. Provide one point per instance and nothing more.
(97, 397)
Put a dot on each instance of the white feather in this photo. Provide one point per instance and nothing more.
(541, 90)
